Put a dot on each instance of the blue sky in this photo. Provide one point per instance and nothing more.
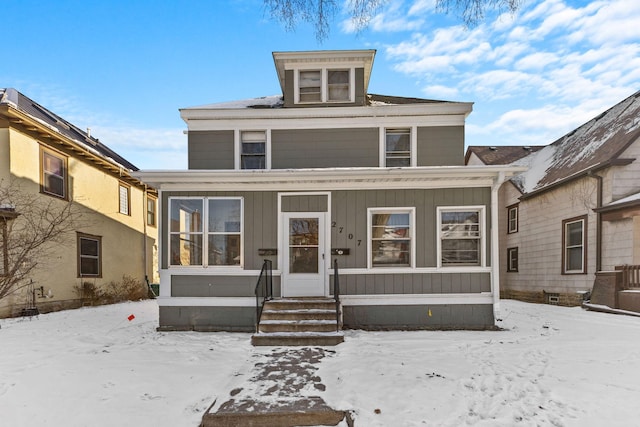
(124, 68)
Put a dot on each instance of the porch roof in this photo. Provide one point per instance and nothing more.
(330, 178)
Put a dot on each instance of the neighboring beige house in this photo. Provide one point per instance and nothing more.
(575, 212)
(50, 157)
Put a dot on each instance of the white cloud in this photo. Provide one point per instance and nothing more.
(440, 92)
(538, 74)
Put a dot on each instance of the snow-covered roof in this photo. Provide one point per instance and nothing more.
(594, 144)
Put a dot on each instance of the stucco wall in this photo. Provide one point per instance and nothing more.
(95, 195)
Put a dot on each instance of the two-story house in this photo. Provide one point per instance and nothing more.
(329, 172)
(114, 232)
(574, 214)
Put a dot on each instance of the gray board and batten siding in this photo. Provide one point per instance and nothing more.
(348, 230)
(324, 148)
(327, 148)
(211, 149)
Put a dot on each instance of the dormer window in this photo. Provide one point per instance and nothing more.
(310, 86)
(324, 85)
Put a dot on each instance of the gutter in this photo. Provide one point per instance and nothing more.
(495, 250)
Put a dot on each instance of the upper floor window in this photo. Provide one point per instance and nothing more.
(89, 255)
(324, 85)
(391, 233)
(151, 211)
(512, 219)
(461, 231)
(253, 150)
(214, 241)
(574, 254)
(124, 199)
(397, 147)
(310, 86)
(54, 174)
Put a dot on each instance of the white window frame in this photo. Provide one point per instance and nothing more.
(412, 236)
(480, 209)
(124, 209)
(237, 147)
(45, 173)
(512, 223)
(324, 91)
(97, 258)
(206, 233)
(582, 245)
(382, 144)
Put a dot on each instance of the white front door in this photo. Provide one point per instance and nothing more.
(303, 272)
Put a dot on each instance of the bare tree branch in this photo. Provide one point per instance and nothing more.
(320, 13)
(42, 226)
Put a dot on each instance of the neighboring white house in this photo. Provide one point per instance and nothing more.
(575, 212)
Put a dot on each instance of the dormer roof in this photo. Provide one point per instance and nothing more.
(324, 58)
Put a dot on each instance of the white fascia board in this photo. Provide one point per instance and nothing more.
(335, 178)
(209, 115)
(417, 299)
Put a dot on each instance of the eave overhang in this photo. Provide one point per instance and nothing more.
(328, 179)
(47, 134)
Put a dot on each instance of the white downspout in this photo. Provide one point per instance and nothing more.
(495, 247)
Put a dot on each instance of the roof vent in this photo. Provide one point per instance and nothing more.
(493, 148)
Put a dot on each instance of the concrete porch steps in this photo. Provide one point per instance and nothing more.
(298, 322)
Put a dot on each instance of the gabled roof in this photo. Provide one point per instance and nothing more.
(11, 98)
(597, 144)
(500, 155)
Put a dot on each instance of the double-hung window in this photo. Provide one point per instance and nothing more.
(574, 255)
(397, 147)
(54, 174)
(89, 255)
(512, 260)
(391, 237)
(205, 231)
(253, 150)
(324, 85)
(152, 204)
(512, 219)
(461, 236)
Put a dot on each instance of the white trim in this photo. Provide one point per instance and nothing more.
(482, 229)
(414, 146)
(495, 246)
(206, 301)
(417, 299)
(237, 147)
(347, 300)
(417, 270)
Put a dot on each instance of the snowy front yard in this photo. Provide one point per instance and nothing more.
(550, 366)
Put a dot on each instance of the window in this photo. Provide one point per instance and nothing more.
(222, 228)
(338, 85)
(253, 150)
(54, 174)
(398, 148)
(512, 259)
(573, 242)
(224, 231)
(151, 211)
(310, 84)
(461, 236)
(512, 219)
(89, 255)
(324, 85)
(391, 236)
(124, 193)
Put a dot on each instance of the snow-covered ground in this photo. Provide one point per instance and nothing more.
(550, 366)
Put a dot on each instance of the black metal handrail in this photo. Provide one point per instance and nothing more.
(336, 292)
(264, 289)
